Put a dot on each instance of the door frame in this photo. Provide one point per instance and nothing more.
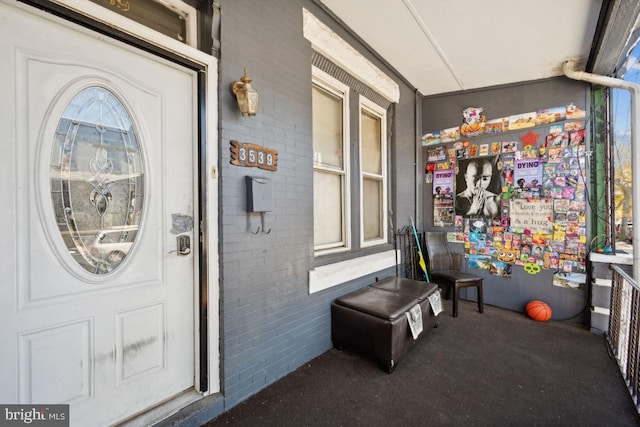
(95, 18)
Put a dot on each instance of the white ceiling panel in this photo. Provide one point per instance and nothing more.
(444, 46)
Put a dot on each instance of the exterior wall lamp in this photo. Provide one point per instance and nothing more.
(246, 96)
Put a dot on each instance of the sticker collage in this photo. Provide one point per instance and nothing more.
(519, 202)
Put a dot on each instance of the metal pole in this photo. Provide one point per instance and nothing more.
(634, 88)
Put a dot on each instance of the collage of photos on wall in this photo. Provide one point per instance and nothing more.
(519, 201)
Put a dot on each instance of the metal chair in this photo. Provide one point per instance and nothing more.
(445, 272)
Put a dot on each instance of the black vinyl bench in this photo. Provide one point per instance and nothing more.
(372, 320)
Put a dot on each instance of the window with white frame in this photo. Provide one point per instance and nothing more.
(332, 178)
(331, 198)
(373, 166)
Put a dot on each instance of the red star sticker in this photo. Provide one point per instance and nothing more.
(530, 139)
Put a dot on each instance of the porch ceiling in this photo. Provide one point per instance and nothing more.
(447, 46)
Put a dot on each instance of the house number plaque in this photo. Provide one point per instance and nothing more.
(252, 155)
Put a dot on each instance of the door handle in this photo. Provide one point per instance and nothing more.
(184, 245)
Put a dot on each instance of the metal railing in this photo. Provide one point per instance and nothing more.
(624, 328)
(405, 244)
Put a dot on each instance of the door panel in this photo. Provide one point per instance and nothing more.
(115, 342)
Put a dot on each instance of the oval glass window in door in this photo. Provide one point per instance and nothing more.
(97, 180)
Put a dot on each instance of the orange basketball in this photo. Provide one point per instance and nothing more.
(538, 310)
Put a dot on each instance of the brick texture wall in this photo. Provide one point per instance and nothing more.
(270, 324)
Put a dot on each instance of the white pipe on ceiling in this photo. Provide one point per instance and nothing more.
(569, 68)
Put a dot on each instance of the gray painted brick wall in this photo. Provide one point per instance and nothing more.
(270, 324)
(444, 111)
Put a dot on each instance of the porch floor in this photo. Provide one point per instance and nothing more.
(495, 368)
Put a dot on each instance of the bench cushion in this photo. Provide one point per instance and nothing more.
(377, 302)
(413, 288)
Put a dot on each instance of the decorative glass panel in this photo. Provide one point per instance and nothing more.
(97, 180)
(154, 14)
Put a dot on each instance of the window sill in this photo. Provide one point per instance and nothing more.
(328, 276)
(370, 243)
(611, 258)
(329, 251)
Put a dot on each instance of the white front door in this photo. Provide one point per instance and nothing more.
(98, 172)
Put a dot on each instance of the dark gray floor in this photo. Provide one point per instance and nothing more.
(493, 369)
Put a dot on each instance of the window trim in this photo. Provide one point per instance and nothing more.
(339, 89)
(366, 105)
(340, 52)
(103, 14)
(341, 272)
